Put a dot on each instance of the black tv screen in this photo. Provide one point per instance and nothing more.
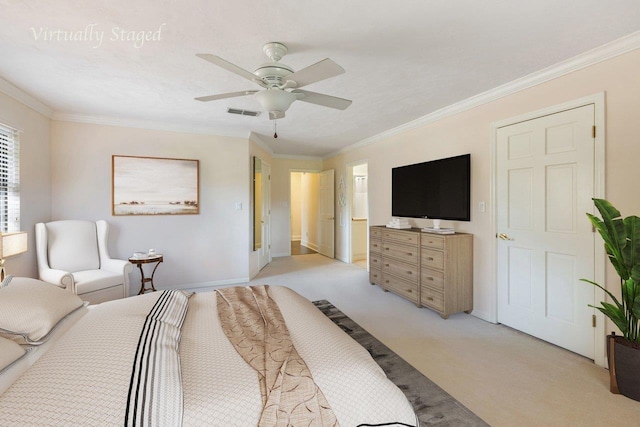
(440, 189)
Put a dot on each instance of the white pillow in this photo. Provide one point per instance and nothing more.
(6, 281)
(10, 352)
(30, 309)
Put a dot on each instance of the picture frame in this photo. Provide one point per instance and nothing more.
(154, 186)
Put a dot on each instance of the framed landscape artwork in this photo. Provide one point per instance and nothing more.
(154, 186)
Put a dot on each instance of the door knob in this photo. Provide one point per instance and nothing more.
(503, 236)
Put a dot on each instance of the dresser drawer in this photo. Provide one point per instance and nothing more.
(432, 259)
(408, 272)
(375, 261)
(432, 278)
(405, 237)
(375, 276)
(431, 241)
(400, 252)
(401, 287)
(375, 232)
(432, 298)
(375, 246)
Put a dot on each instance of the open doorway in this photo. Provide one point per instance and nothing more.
(358, 189)
(304, 196)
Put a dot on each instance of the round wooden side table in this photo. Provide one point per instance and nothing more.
(146, 260)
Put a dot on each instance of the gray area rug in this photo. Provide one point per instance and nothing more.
(432, 405)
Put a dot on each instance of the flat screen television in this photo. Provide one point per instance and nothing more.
(439, 189)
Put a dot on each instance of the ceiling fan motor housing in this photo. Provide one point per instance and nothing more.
(273, 73)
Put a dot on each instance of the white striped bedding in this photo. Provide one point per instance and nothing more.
(87, 379)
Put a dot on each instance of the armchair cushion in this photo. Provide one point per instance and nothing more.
(73, 245)
(93, 280)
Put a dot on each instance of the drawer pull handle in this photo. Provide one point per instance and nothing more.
(386, 249)
(386, 281)
(429, 298)
(408, 272)
(430, 258)
(409, 253)
(386, 265)
(430, 279)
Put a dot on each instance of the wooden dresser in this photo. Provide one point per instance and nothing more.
(430, 270)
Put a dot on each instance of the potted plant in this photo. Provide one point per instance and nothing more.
(622, 244)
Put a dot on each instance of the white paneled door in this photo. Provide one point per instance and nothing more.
(544, 186)
(326, 235)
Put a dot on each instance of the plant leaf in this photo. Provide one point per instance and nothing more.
(611, 229)
(635, 309)
(631, 251)
(617, 316)
(635, 273)
(612, 296)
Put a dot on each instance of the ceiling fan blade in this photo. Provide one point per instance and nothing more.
(273, 115)
(314, 73)
(225, 95)
(216, 60)
(320, 99)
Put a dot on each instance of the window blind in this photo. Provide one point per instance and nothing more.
(9, 179)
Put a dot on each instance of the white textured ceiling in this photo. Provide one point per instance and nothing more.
(403, 59)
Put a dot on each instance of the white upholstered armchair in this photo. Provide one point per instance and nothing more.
(73, 254)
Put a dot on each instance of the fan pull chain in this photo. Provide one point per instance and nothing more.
(275, 128)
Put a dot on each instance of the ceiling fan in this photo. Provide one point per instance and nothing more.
(280, 84)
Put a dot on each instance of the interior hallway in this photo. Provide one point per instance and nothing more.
(299, 249)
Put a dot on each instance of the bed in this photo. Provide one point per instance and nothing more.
(165, 359)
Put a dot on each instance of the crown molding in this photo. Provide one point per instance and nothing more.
(295, 157)
(260, 143)
(591, 57)
(18, 94)
(144, 124)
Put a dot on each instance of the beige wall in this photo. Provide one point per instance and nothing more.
(209, 248)
(296, 205)
(35, 176)
(280, 203)
(469, 132)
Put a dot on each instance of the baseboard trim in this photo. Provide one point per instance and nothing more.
(309, 245)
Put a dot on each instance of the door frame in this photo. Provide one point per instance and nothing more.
(349, 205)
(265, 254)
(291, 170)
(598, 100)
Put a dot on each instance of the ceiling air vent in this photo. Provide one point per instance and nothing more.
(243, 112)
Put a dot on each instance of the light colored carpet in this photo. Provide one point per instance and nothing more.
(505, 377)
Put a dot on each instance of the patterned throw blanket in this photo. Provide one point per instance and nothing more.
(254, 324)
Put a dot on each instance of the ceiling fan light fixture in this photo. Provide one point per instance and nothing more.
(275, 99)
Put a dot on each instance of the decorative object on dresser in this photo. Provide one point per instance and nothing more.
(430, 270)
